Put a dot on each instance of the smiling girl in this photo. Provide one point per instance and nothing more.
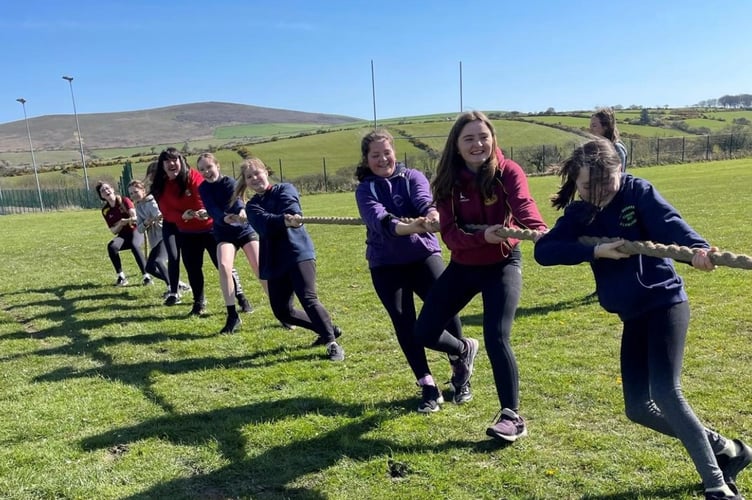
(475, 184)
(120, 215)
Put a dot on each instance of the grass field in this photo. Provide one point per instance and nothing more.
(108, 394)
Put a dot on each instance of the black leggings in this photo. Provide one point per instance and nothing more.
(192, 247)
(652, 353)
(128, 240)
(155, 263)
(500, 286)
(170, 241)
(300, 280)
(395, 286)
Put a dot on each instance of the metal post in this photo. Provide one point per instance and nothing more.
(373, 93)
(460, 86)
(31, 148)
(78, 130)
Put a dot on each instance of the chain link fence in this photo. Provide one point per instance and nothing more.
(336, 174)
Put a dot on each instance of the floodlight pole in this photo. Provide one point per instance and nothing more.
(31, 148)
(460, 86)
(373, 93)
(78, 129)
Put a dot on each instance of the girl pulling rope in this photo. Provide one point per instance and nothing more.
(646, 293)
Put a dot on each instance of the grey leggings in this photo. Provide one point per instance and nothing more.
(652, 353)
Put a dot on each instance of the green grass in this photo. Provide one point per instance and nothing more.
(263, 129)
(108, 394)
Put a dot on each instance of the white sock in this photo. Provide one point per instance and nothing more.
(427, 380)
(121, 274)
(721, 489)
(146, 275)
(730, 450)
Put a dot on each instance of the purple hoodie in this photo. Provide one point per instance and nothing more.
(381, 202)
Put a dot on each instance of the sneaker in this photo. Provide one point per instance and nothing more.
(510, 427)
(462, 394)
(733, 466)
(183, 287)
(147, 281)
(198, 309)
(462, 366)
(335, 352)
(715, 495)
(121, 281)
(231, 325)
(432, 398)
(243, 304)
(172, 299)
(287, 326)
(323, 340)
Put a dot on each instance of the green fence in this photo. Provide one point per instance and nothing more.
(16, 201)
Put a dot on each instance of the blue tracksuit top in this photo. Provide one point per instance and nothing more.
(383, 200)
(281, 247)
(216, 197)
(633, 286)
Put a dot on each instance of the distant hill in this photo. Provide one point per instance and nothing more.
(171, 124)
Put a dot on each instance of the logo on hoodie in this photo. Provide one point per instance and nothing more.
(628, 216)
(463, 197)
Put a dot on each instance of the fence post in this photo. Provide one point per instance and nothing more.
(707, 147)
(657, 150)
(631, 151)
(683, 137)
(323, 159)
(511, 153)
(281, 179)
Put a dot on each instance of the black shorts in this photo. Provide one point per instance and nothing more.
(241, 241)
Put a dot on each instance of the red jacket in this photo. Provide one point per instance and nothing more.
(172, 205)
(511, 206)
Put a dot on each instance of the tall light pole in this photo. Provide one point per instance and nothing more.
(31, 148)
(373, 93)
(460, 86)
(78, 129)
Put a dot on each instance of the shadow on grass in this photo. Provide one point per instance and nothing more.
(68, 322)
(477, 319)
(266, 474)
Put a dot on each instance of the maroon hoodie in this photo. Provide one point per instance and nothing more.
(511, 206)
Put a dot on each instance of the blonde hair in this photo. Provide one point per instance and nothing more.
(241, 187)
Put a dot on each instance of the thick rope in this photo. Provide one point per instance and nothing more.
(649, 248)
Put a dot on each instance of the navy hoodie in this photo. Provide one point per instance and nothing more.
(633, 286)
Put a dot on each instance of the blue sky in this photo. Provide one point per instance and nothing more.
(315, 55)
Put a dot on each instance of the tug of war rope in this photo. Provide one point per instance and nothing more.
(649, 248)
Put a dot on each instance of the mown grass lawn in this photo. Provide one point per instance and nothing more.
(108, 394)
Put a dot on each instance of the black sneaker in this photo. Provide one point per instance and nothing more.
(462, 366)
(172, 299)
(198, 309)
(147, 281)
(462, 394)
(231, 325)
(323, 340)
(335, 352)
(121, 281)
(432, 398)
(720, 496)
(243, 304)
(733, 466)
(287, 326)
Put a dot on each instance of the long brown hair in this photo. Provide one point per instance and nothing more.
(447, 171)
(607, 120)
(599, 155)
